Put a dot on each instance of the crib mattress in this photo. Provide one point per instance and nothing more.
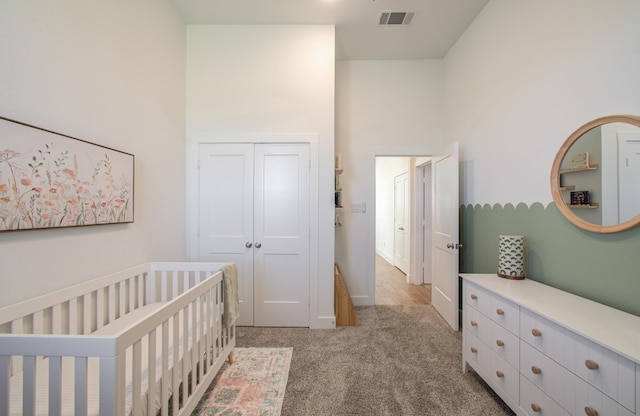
(67, 387)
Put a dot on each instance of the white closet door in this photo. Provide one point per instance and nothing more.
(402, 243)
(281, 235)
(226, 214)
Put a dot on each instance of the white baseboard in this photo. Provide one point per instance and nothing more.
(323, 322)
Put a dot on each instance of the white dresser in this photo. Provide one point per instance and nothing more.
(548, 352)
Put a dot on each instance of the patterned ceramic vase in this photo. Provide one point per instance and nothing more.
(511, 257)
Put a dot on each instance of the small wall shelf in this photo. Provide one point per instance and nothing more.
(593, 205)
(568, 188)
(591, 167)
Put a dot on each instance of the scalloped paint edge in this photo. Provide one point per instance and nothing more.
(509, 205)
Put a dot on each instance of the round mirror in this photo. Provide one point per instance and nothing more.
(595, 177)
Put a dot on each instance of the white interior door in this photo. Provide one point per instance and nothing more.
(402, 244)
(628, 175)
(281, 235)
(445, 235)
(225, 230)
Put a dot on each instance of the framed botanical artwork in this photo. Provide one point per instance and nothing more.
(51, 180)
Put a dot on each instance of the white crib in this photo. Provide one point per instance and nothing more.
(143, 341)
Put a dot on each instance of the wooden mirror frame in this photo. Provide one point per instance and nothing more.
(555, 177)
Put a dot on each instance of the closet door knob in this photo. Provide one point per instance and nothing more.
(248, 245)
(258, 245)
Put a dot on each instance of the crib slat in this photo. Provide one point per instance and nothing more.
(201, 351)
(185, 350)
(140, 290)
(136, 378)
(132, 293)
(86, 314)
(111, 304)
(29, 385)
(73, 316)
(122, 298)
(5, 382)
(194, 343)
(175, 282)
(185, 281)
(38, 322)
(151, 396)
(56, 319)
(80, 386)
(100, 308)
(176, 359)
(163, 287)
(55, 383)
(165, 369)
(112, 380)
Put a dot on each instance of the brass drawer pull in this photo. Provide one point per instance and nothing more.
(500, 311)
(535, 369)
(590, 411)
(500, 343)
(536, 407)
(591, 365)
(536, 332)
(474, 323)
(474, 350)
(474, 296)
(499, 373)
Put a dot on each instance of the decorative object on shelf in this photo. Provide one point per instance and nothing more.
(580, 161)
(511, 257)
(580, 198)
(51, 180)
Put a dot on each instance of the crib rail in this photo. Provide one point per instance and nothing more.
(189, 321)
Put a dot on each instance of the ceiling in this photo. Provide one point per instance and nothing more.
(435, 27)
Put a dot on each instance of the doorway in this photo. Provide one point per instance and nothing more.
(403, 207)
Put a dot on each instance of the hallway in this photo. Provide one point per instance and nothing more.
(392, 288)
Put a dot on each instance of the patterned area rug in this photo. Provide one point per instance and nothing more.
(253, 385)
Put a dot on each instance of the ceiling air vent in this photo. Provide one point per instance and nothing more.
(396, 18)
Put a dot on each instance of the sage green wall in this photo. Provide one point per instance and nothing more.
(601, 267)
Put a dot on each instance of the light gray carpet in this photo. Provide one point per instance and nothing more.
(401, 360)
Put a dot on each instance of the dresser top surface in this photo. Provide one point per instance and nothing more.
(610, 327)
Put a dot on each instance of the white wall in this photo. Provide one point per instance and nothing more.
(523, 77)
(270, 84)
(389, 108)
(111, 73)
(387, 168)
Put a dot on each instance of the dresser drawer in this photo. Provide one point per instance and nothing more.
(502, 375)
(554, 380)
(607, 371)
(503, 312)
(473, 349)
(591, 401)
(475, 322)
(549, 338)
(535, 403)
(505, 344)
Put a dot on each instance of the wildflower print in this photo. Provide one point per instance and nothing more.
(49, 180)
